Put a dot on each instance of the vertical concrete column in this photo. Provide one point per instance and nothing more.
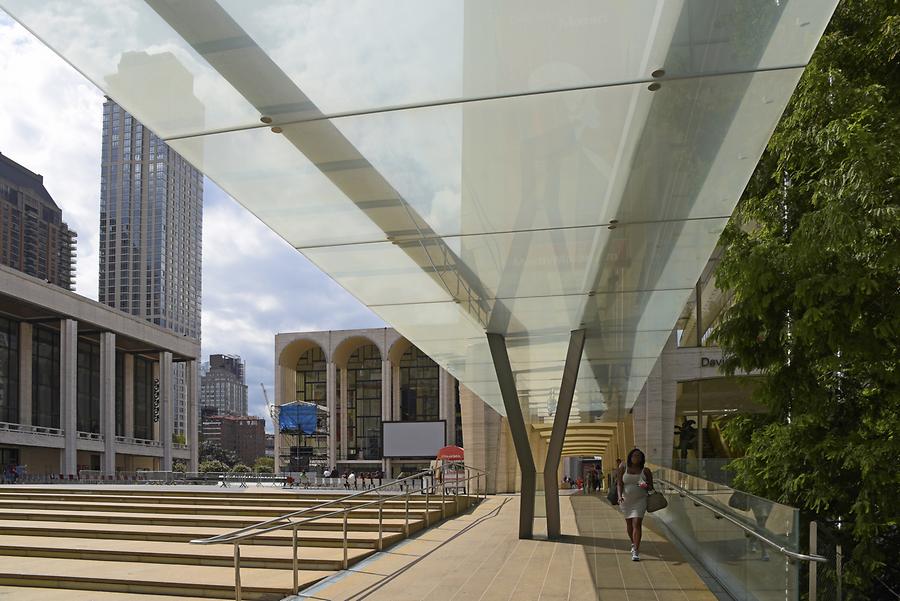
(395, 390)
(166, 409)
(128, 375)
(108, 400)
(26, 342)
(447, 404)
(193, 414)
(68, 387)
(331, 401)
(343, 425)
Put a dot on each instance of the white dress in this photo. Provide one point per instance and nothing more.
(635, 504)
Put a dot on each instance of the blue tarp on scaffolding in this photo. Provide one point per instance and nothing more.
(297, 416)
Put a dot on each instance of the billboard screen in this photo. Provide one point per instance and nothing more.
(420, 440)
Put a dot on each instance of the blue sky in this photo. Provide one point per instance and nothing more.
(254, 283)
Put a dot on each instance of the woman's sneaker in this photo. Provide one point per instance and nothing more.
(635, 556)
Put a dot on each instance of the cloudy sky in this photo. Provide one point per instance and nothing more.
(254, 284)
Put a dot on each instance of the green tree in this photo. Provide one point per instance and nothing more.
(812, 259)
(240, 468)
(264, 465)
(212, 466)
(179, 466)
(211, 451)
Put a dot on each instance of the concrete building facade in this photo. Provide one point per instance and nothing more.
(359, 379)
(83, 386)
(33, 236)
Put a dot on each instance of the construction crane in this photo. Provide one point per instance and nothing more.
(273, 412)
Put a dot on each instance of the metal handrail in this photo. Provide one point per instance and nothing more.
(235, 537)
(230, 536)
(780, 548)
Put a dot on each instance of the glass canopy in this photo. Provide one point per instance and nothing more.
(462, 167)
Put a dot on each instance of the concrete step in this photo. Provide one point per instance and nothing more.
(291, 502)
(261, 513)
(306, 538)
(231, 523)
(253, 556)
(15, 593)
(152, 578)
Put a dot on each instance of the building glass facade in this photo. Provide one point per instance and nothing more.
(88, 387)
(143, 398)
(45, 377)
(9, 371)
(364, 403)
(311, 387)
(419, 387)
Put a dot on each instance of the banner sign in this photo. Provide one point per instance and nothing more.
(155, 400)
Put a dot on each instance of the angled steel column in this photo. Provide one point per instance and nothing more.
(519, 434)
(560, 422)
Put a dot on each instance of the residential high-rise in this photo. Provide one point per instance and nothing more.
(223, 385)
(151, 205)
(33, 237)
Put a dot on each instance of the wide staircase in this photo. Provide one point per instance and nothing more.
(138, 539)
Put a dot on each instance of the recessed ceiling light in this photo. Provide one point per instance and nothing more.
(265, 119)
(277, 130)
(658, 73)
(654, 86)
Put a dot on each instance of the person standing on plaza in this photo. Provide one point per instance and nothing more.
(634, 481)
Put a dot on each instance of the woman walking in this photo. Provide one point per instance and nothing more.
(634, 481)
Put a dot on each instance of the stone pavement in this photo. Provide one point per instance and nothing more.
(477, 556)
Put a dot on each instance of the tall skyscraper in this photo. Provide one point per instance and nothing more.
(151, 206)
(223, 385)
(151, 212)
(33, 237)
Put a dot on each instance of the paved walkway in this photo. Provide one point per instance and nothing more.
(478, 556)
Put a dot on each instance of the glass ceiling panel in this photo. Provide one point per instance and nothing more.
(291, 60)
(475, 166)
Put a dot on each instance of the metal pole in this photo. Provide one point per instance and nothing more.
(237, 572)
(346, 512)
(838, 559)
(296, 576)
(519, 433)
(406, 514)
(380, 523)
(427, 510)
(558, 433)
(443, 500)
(813, 566)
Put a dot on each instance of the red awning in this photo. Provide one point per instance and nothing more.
(451, 453)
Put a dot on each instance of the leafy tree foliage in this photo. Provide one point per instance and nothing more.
(240, 468)
(212, 466)
(264, 465)
(812, 259)
(210, 451)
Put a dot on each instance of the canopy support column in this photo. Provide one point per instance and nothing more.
(497, 344)
(560, 423)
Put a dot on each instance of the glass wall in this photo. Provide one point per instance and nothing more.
(143, 398)
(9, 371)
(419, 387)
(120, 393)
(311, 387)
(88, 387)
(364, 403)
(45, 377)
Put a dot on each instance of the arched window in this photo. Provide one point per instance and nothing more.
(364, 403)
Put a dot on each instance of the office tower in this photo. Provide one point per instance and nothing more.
(33, 237)
(223, 385)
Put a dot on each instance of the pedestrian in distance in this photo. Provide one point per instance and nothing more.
(633, 482)
(351, 480)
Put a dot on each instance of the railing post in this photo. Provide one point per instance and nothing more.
(296, 576)
(406, 514)
(443, 501)
(839, 560)
(237, 572)
(813, 566)
(427, 510)
(380, 524)
(346, 513)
